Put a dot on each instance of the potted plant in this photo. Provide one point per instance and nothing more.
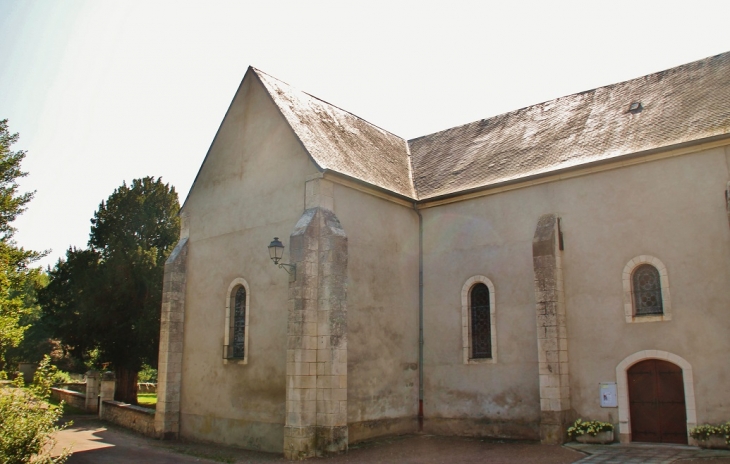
(712, 436)
(596, 432)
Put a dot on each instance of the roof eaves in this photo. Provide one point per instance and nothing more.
(370, 185)
(577, 167)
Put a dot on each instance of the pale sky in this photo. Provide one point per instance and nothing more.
(103, 92)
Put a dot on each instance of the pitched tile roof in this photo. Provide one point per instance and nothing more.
(689, 102)
(342, 142)
(682, 104)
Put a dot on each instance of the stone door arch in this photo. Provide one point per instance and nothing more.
(624, 407)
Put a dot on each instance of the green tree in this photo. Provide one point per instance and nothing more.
(69, 302)
(36, 340)
(15, 262)
(107, 298)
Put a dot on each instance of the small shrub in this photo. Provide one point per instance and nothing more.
(704, 431)
(44, 378)
(147, 374)
(61, 377)
(27, 425)
(592, 428)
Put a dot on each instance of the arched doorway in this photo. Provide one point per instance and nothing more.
(657, 402)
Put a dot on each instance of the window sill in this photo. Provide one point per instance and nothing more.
(481, 361)
(235, 361)
(654, 318)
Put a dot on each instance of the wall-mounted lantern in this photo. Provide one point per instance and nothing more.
(276, 251)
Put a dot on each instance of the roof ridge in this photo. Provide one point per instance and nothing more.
(328, 103)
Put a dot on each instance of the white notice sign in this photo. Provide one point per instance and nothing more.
(608, 395)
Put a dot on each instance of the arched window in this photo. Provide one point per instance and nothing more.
(646, 286)
(646, 290)
(235, 338)
(238, 324)
(478, 318)
(481, 327)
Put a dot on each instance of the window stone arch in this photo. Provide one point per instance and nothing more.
(236, 330)
(466, 320)
(648, 303)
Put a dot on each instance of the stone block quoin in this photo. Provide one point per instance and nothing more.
(316, 373)
(172, 318)
(552, 337)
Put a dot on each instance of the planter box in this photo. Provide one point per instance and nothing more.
(714, 442)
(601, 438)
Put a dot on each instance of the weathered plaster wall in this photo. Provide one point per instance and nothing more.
(491, 237)
(382, 316)
(673, 209)
(250, 188)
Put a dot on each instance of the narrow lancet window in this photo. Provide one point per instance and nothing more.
(646, 286)
(238, 324)
(481, 326)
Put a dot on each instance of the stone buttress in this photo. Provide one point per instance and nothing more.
(552, 338)
(316, 369)
(172, 318)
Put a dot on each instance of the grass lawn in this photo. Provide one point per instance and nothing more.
(148, 400)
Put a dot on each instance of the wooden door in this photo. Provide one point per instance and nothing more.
(656, 399)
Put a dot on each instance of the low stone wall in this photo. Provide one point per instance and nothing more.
(75, 399)
(136, 418)
(147, 387)
(74, 386)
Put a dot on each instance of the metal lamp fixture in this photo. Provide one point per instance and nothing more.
(276, 251)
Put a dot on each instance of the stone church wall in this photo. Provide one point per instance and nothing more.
(554, 255)
(382, 314)
(672, 209)
(249, 189)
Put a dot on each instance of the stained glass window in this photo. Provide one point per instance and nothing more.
(647, 291)
(481, 326)
(238, 324)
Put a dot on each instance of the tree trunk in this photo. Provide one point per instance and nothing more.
(126, 385)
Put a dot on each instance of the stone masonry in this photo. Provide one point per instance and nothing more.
(93, 385)
(552, 338)
(169, 370)
(316, 369)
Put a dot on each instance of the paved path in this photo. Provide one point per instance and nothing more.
(649, 454)
(97, 442)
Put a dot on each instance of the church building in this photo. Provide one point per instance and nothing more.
(335, 282)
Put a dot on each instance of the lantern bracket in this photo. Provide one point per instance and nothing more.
(276, 251)
(290, 269)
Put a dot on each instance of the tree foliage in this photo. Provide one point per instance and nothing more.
(28, 423)
(15, 271)
(107, 297)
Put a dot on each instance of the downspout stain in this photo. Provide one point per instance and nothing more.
(420, 317)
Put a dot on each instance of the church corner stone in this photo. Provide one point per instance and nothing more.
(552, 339)
(316, 370)
(169, 371)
